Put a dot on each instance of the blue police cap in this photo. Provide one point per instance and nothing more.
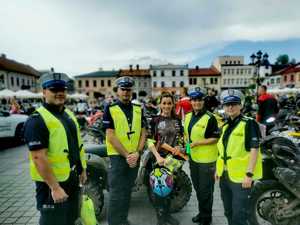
(124, 82)
(232, 96)
(54, 80)
(196, 93)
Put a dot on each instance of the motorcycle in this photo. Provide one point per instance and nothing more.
(97, 182)
(275, 199)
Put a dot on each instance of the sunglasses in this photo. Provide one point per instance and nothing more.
(126, 89)
(55, 90)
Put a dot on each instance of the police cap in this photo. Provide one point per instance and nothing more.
(196, 93)
(232, 96)
(124, 82)
(54, 80)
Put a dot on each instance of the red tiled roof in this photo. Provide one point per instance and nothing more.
(135, 72)
(212, 71)
(292, 69)
(11, 65)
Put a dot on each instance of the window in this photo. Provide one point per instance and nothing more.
(173, 84)
(234, 62)
(102, 83)
(226, 62)
(195, 81)
(181, 73)
(237, 71)
(18, 81)
(242, 71)
(28, 82)
(79, 83)
(162, 73)
(249, 71)
(173, 73)
(191, 81)
(292, 78)
(284, 78)
(12, 81)
(224, 71)
(272, 81)
(154, 73)
(87, 83)
(216, 80)
(108, 83)
(239, 62)
(232, 71)
(211, 80)
(145, 84)
(230, 62)
(278, 80)
(154, 84)
(94, 83)
(224, 81)
(181, 84)
(162, 84)
(23, 81)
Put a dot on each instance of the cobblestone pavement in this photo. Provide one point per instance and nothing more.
(17, 203)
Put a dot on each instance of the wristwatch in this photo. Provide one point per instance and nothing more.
(249, 174)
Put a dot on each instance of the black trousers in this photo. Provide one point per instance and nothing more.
(235, 200)
(121, 179)
(64, 213)
(202, 175)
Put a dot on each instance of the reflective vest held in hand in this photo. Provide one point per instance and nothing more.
(201, 153)
(58, 149)
(237, 159)
(129, 138)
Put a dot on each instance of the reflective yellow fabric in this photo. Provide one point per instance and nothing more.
(238, 157)
(200, 153)
(57, 153)
(122, 129)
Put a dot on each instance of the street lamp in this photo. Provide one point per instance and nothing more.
(258, 60)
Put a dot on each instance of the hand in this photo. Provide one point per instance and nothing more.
(58, 194)
(247, 183)
(160, 160)
(177, 150)
(194, 144)
(132, 159)
(217, 178)
(82, 178)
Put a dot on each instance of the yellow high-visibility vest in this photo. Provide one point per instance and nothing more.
(237, 156)
(58, 149)
(128, 137)
(200, 153)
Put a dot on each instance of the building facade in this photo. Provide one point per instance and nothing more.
(291, 76)
(207, 78)
(17, 76)
(169, 78)
(96, 84)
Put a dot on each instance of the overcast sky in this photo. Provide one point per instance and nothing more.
(81, 36)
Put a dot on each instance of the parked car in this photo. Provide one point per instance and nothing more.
(11, 125)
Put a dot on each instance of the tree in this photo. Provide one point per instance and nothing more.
(293, 61)
(282, 59)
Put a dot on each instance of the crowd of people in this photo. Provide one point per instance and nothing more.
(229, 153)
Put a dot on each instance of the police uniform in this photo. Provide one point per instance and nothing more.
(127, 121)
(199, 126)
(58, 132)
(239, 136)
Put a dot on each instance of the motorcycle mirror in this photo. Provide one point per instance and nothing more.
(270, 120)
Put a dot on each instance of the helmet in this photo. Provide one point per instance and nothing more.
(124, 82)
(196, 93)
(232, 96)
(161, 181)
(54, 80)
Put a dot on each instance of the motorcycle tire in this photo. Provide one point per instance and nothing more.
(181, 193)
(259, 190)
(94, 190)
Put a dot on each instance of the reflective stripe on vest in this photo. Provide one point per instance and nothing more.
(57, 153)
(237, 156)
(128, 138)
(200, 153)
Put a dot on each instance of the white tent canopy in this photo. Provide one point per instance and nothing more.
(284, 90)
(26, 94)
(78, 96)
(6, 93)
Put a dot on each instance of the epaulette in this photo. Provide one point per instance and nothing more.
(137, 104)
(209, 113)
(246, 118)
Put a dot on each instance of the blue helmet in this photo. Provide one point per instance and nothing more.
(161, 182)
(232, 96)
(124, 82)
(196, 93)
(54, 80)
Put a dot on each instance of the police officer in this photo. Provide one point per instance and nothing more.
(239, 162)
(202, 133)
(57, 163)
(125, 139)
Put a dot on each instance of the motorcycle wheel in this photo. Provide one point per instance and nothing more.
(181, 193)
(264, 190)
(94, 190)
